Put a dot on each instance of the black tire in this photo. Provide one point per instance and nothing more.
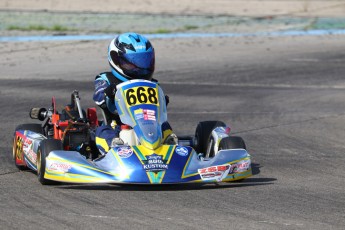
(46, 146)
(232, 142)
(37, 128)
(203, 132)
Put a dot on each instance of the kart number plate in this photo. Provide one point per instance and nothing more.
(141, 95)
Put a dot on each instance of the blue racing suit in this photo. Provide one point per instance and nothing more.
(105, 87)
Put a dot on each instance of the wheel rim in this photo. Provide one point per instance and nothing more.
(38, 162)
(14, 149)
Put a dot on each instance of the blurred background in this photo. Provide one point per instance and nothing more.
(62, 17)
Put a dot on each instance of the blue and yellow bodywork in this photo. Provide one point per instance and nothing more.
(168, 164)
(141, 105)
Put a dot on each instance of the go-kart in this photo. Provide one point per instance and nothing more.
(63, 147)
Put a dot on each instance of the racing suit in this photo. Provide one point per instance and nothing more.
(105, 88)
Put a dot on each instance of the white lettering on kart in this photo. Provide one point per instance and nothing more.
(59, 167)
(217, 172)
(124, 152)
(155, 163)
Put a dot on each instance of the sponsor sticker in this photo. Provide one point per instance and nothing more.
(154, 163)
(182, 151)
(145, 114)
(31, 155)
(59, 167)
(241, 166)
(124, 152)
(28, 150)
(218, 172)
(27, 143)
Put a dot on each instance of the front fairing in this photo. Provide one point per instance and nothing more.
(167, 164)
(141, 105)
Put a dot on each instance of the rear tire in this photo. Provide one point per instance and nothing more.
(232, 142)
(46, 146)
(203, 132)
(17, 144)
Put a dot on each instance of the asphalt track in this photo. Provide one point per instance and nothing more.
(285, 96)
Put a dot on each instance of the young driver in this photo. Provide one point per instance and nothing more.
(131, 56)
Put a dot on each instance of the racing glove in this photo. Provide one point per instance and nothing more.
(110, 91)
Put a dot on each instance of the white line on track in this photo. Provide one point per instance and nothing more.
(95, 216)
(286, 224)
(305, 60)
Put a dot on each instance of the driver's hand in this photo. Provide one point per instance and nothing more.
(110, 91)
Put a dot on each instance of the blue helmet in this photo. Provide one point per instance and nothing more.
(131, 56)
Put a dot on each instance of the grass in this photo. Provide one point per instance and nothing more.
(161, 31)
(325, 24)
(39, 28)
(190, 27)
(167, 31)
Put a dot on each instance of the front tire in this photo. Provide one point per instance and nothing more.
(232, 142)
(46, 146)
(17, 149)
(203, 132)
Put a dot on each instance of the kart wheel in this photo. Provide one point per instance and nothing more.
(203, 132)
(37, 128)
(46, 146)
(18, 144)
(232, 142)
(16, 153)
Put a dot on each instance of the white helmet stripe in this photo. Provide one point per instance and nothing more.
(112, 47)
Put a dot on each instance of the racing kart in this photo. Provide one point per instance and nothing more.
(63, 147)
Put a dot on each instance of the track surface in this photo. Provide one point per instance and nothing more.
(284, 96)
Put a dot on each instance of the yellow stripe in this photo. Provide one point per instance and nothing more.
(171, 152)
(187, 164)
(162, 151)
(103, 143)
(76, 178)
(148, 145)
(81, 165)
(166, 133)
(247, 173)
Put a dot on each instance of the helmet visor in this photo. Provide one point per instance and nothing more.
(135, 65)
